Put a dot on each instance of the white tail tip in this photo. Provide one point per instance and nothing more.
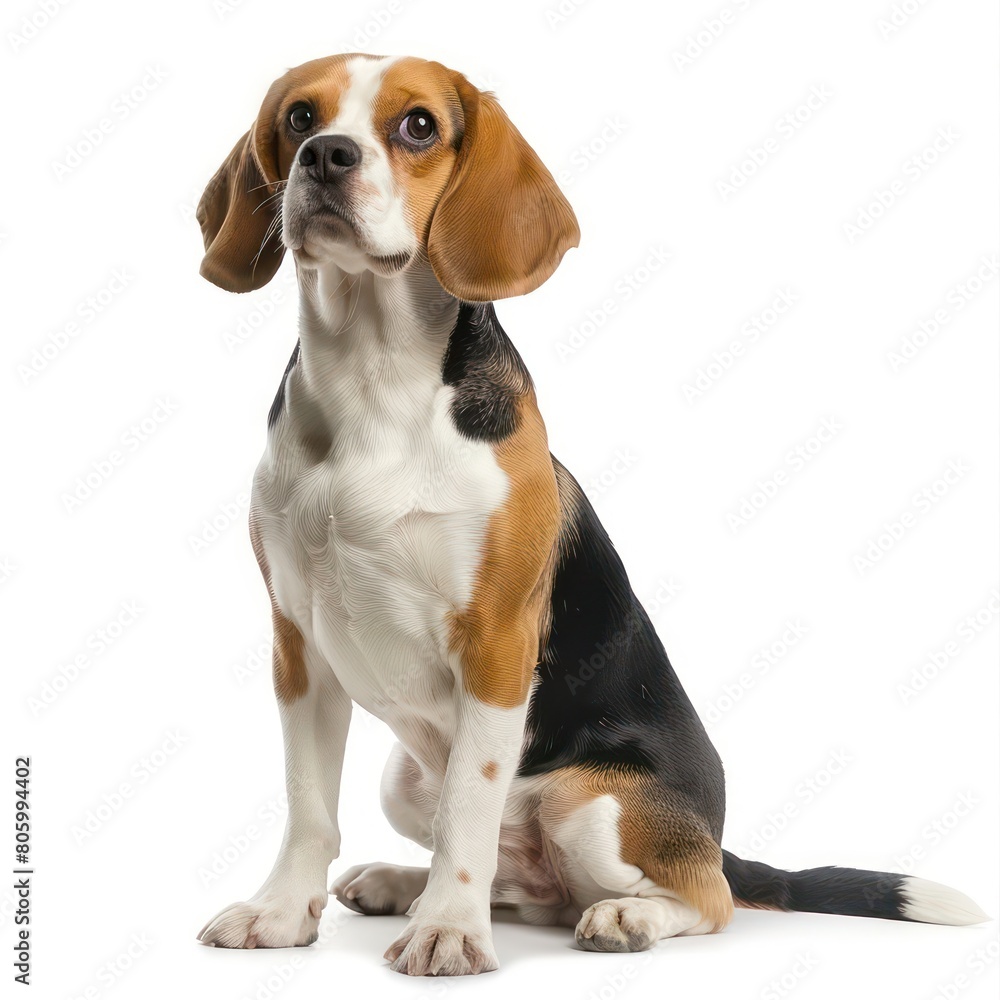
(932, 903)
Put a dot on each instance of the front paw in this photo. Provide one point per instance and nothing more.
(437, 947)
(265, 922)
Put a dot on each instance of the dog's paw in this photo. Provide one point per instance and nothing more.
(265, 921)
(616, 925)
(430, 947)
(377, 889)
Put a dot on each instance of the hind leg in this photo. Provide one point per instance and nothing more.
(638, 862)
(635, 923)
(378, 889)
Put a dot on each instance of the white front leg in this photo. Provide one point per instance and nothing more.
(286, 909)
(449, 933)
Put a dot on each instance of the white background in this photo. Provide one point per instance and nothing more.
(639, 143)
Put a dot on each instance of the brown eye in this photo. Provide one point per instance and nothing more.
(417, 128)
(300, 118)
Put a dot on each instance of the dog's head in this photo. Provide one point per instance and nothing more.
(370, 163)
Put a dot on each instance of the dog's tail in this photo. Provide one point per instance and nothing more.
(849, 891)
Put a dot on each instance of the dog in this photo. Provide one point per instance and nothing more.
(428, 559)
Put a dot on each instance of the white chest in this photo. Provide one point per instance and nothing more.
(372, 510)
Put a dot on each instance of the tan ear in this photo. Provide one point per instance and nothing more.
(502, 225)
(238, 218)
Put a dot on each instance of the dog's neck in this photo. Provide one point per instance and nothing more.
(365, 338)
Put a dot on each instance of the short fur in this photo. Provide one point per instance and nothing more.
(428, 558)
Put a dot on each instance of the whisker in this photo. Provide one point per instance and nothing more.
(273, 226)
(270, 198)
(355, 307)
(264, 185)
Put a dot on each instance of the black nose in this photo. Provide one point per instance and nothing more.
(327, 157)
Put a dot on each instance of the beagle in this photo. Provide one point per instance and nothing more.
(428, 558)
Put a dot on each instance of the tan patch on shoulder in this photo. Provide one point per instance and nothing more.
(464, 876)
(658, 832)
(291, 680)
(490, 770)
(501, 632)
(289, 666)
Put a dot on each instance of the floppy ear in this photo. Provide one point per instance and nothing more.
(238, 218)
(502, 225)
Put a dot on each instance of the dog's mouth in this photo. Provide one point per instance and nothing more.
(317, 223)
(390, 263)
(333, 213)
(326, 220)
